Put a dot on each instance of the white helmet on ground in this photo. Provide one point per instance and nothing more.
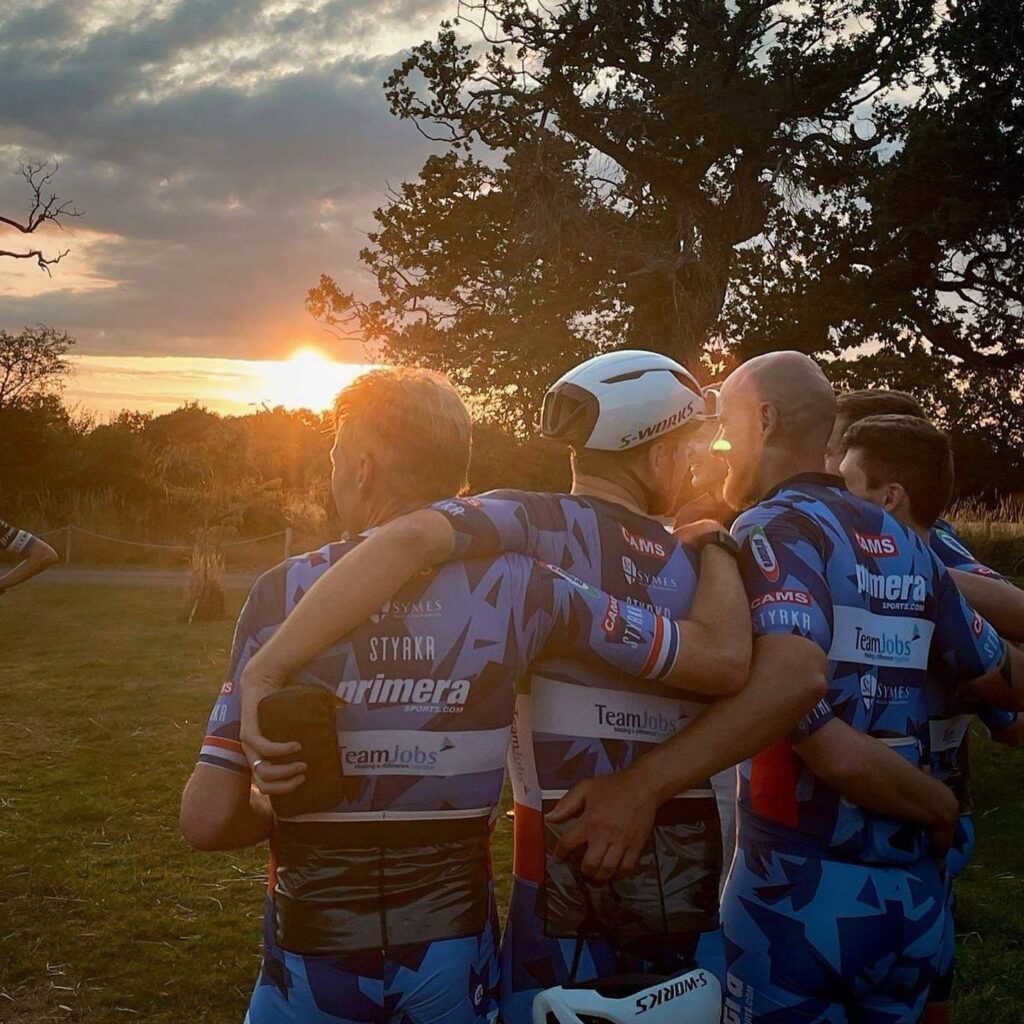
(620, 400)
(691, 998)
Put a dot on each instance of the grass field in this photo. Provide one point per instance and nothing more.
(105, 915)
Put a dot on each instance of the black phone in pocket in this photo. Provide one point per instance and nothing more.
(306, 713)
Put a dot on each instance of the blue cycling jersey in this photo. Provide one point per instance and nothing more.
(822, 564)
(428, 683)
(388, 892)
(954, 553)
(949, 713)
(575, 721)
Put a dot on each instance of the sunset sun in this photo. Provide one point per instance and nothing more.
(306, 379)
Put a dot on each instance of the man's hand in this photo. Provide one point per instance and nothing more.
(615, 817)
(272, 779)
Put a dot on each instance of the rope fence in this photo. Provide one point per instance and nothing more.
(71, 529)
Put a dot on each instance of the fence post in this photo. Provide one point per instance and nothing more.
(67, 546)
(288, 542)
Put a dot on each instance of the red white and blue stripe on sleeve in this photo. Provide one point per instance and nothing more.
(632, 639)
(261, 615)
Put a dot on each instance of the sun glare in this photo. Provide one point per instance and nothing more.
(307, 379)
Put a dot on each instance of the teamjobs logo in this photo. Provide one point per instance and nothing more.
(395, 755)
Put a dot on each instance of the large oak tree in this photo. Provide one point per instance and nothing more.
(703, 178)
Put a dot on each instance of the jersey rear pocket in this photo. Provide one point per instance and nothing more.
(331, 900)
(673, 892)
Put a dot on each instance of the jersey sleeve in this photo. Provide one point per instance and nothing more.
(262, 613)
(954, 553)
(490, 525)
(18, 542)
(964, 645)
(591, 626)
(995, 719)
(784, 574)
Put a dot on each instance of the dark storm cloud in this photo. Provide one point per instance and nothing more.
(234, 153)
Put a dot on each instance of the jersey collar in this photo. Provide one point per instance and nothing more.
(817, 479)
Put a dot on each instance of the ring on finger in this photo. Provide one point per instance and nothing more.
(257, 762)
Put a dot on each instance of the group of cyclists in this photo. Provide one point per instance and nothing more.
(735, 726)
(730, 675)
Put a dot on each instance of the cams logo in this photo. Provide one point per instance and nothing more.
(872, 692)
(677, 419)
(764, 554)
(229, 686)
(671, 990)
(877, 545)
(633, 574)
(644, 545)
(792, 596)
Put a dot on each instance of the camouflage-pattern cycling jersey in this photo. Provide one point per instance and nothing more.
(400, 868)
(822, 564)
(575, 721)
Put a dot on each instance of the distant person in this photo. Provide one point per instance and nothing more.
(36, 555)
(855, 405)
(707, 480)
(381, 907)
(905, 464)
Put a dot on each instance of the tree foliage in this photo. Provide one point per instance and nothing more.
(700, 177)
(33, 364)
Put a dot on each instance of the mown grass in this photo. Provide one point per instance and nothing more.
(105, 915)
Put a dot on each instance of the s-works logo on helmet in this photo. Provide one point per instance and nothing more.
(677, 419)
(671, 990)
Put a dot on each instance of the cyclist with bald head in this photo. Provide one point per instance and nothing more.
(834, 908)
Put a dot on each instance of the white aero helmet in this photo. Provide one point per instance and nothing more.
(620, 400)
(691, 998)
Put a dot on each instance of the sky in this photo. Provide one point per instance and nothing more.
(225, 153)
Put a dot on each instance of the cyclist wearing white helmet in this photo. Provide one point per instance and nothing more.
(626, 417)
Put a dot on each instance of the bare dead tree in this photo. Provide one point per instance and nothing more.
(46, 207)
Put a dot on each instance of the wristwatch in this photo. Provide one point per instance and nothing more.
(720, 538)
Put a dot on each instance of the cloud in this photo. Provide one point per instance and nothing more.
(203, 139)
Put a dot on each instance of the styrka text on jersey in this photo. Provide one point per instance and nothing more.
(406, 648)
(419, 694)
